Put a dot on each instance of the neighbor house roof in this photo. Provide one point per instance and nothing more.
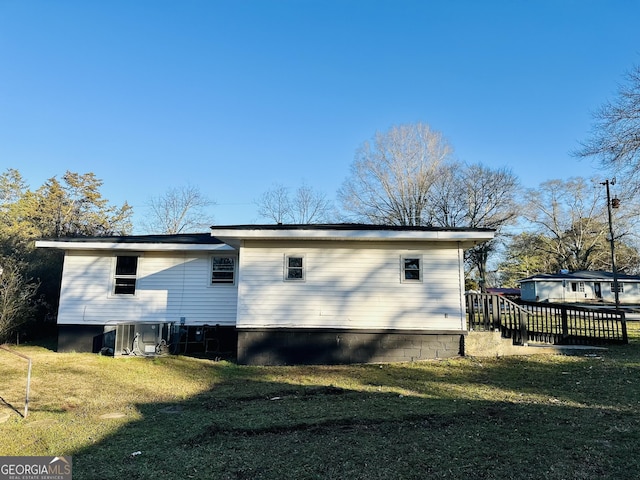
(503, 291)
(581, 275)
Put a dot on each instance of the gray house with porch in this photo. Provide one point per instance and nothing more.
(580, 287)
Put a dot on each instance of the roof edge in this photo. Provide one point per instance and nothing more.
(184, 241)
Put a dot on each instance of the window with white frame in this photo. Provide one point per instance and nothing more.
(411, 268)
(126, 275)
(620, 287)
(223, 270)
(577, 286)
(294, 268)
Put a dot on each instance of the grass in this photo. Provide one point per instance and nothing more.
(544, 416)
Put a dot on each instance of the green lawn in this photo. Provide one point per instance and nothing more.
(539, 417)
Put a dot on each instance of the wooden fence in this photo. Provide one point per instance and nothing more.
(558, 324)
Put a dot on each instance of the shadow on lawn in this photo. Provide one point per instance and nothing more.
(432, 420)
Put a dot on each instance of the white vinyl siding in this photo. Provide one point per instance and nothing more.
(350, 285)
(168, 286)
(559, 292)
(556, 291)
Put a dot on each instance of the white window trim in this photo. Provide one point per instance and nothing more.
(620, 287)
(114, 263)
(580, 287)
(285, 272)
(213, 284)
(403, 279)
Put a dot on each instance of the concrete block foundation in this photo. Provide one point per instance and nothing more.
(325, 347)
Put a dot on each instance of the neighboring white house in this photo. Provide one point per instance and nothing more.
(582, 286)
(278, 293)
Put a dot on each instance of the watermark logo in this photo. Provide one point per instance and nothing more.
(36, 468)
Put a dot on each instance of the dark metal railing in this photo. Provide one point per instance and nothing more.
(545, 322)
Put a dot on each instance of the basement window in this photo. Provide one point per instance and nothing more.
(411, 269)
(223, 270)
(294, 268)
(126, 275)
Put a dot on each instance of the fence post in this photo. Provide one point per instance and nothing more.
(623, 319)
(471, 310)
(485, 311)
(495, 313)
(565, 321)
(24, 357)
(524, 332)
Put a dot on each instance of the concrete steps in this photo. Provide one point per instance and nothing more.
(491, 344)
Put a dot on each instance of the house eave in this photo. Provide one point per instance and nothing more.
(236, 234)
(138, 247)
(583, 276)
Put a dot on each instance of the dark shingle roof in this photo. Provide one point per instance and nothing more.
(349, 226)
(180, 238)
(581, 276)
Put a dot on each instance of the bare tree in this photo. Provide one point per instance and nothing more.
(615, 135)
(311, 206)
(391, 176)
(491, 204)
(17, 294)
(178, 210)
(274, 204)
(407, 177)
(448, 197)
(475, 196)
(305, 206)
(572, 216)
(491, 196)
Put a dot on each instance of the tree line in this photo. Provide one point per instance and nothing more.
(407, 176)
(70, 207)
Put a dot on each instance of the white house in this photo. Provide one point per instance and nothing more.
(148, 280)
(272, 294)
(581, 286)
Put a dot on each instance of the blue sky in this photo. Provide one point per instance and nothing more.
(236, 96)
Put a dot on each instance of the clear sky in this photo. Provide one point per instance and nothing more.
(236, 96)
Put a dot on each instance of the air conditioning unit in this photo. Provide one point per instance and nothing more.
(139, 339)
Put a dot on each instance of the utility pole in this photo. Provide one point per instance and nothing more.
(615, 203)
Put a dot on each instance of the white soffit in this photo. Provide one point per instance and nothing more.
(138, 247)
(233, 236)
